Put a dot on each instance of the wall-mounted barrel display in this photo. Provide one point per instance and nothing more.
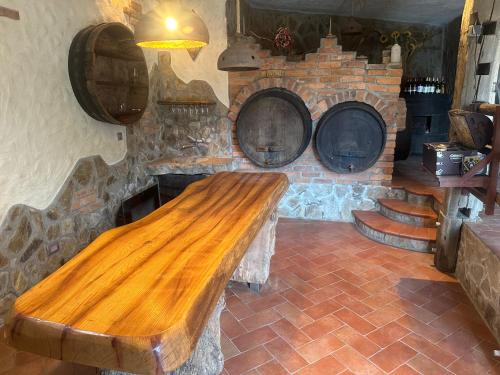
(109, 74)
(273, 127)
(350, 137)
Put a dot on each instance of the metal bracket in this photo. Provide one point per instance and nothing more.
(483, 69)
(9, 13)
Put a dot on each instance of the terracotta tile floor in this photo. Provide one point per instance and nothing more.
(338, 303)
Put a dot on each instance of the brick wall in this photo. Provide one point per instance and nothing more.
(326, 78)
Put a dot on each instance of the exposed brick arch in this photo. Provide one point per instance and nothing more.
(390, 110)
(307, 95)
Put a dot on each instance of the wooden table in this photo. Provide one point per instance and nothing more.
(139, 296)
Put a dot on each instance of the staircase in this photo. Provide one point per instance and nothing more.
(407, 222)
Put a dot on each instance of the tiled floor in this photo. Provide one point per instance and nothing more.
(338, 303)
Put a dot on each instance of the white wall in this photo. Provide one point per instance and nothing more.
(43, 130)
(204, 67)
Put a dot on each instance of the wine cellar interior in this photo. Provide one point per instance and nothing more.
(249, 187)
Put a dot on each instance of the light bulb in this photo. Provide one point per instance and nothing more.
(170, 23)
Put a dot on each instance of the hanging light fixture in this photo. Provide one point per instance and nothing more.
(352, 27)
(170, 25)
(239, 56)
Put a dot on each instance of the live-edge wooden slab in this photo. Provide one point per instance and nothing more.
(139, 296)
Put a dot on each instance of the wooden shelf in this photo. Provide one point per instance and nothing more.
(459, 181)
(117, 55)
(480, 193)
(127, 113)
(121, 84)
(186, 102)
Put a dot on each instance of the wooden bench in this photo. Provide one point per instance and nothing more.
(138, 298)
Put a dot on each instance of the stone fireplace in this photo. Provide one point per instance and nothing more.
(324, 80)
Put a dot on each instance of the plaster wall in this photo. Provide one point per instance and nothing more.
(204, 67)
(44, 131)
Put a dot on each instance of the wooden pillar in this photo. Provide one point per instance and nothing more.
(463, 51)
(492, 194)
(448, 235)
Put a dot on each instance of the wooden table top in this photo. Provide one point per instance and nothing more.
(139, 296)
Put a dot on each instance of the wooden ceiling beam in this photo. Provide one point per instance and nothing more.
(463, 51)
(9, 13)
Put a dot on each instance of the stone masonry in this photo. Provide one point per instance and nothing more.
(256, 263)
(478, 270)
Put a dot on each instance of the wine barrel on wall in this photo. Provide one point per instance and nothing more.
(273, 127)
(109, 74)
(350, 137)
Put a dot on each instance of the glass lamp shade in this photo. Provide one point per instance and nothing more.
(171, 26)
(239, 56)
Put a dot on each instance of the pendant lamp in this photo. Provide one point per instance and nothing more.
(170, 25)
(240, 55)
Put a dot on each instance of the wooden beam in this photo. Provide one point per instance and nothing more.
(9, 13)
(462, 55)
(491, 192)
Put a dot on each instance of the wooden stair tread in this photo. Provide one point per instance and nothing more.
(406, 208)
(417, 188)
(139, 296)
(380, 223)
(436, 193)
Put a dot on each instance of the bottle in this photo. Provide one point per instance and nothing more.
(438, 86)
(396, 54)
(420, 86)
(433, 85)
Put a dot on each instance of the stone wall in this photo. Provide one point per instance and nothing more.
(478, 270)
(333, 202)
(190, 131)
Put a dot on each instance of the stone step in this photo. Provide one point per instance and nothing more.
(404, 212)
(379, 228)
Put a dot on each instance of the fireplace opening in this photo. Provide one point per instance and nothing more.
(350, 137)
(273, 127)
